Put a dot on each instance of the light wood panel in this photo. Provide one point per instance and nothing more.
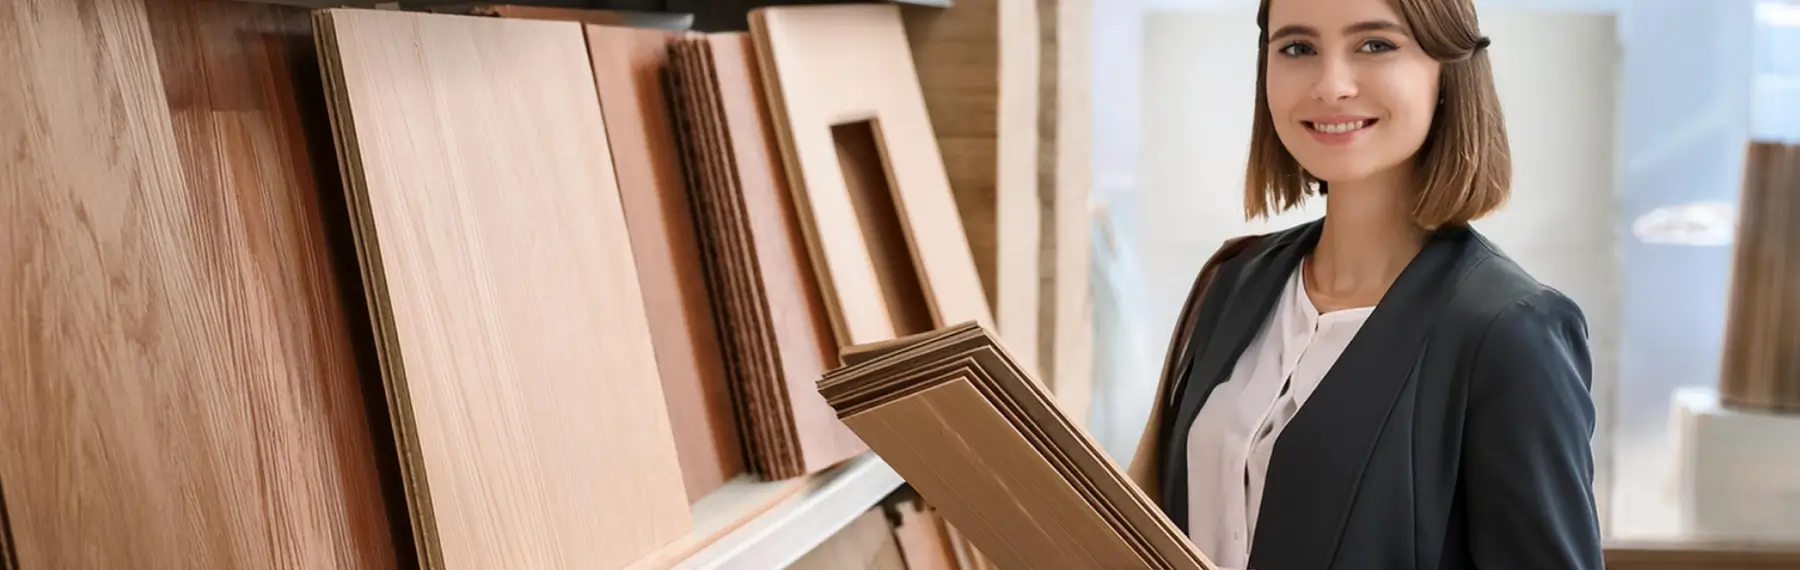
(835, 66)
(1065, 180)
(515, 345)
(960, 420)
(180, 387)
(1762, 337)
(978, 67)
(628, 65)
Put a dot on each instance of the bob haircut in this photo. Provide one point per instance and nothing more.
(1464, 167)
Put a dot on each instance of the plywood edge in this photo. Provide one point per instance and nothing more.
(375, 293)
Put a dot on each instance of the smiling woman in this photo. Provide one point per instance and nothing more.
(1381, 388)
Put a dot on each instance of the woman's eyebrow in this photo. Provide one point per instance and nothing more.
(1356, 28)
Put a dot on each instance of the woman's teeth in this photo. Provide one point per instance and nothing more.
(1337, 128)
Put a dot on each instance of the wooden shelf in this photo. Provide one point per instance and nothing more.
(782, 534)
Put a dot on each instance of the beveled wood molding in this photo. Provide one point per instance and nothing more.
(1701, 555)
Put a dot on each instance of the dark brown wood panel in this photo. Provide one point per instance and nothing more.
(1761, 362)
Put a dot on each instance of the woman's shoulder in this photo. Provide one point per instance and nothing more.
(1498, 294)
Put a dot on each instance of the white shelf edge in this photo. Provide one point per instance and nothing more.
(797, 525)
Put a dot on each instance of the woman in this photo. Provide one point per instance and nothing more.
(1382, 389)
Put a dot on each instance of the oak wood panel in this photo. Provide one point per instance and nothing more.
(515, 346)
(1761, 363)
(180, 387)
(628, 65)
(824, 66)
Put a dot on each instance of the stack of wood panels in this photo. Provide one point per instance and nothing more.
(628, 65)
(1762, 338)
(958, 418)
(514, 344)
(778, 337)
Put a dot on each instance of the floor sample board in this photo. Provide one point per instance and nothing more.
(515, 347)
(778, 337)
(962, 423)
(866, 170)
(1761, 361)
(978, 69)
(628, 65)
(180, 387)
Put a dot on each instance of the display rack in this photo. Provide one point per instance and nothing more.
(792, 528)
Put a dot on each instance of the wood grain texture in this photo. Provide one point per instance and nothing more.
(961, 421)
(516, 349)
(978, 67)
(1761, 363)
(180, 389)
(829, 65)
(628, 65)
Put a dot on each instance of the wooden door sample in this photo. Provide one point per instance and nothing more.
(179, 388)
(514, 342)
(1761, 369)
(866, 168)
(628, 65)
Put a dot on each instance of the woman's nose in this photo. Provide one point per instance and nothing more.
(1337, 80)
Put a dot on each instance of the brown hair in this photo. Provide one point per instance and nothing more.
(1464, 166)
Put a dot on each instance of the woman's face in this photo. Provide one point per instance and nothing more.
(1350, 92)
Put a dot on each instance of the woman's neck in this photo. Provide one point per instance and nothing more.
(1368, 239)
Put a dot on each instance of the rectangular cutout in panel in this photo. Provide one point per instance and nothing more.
(883, 226)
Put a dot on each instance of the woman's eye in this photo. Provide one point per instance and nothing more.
(1377, 46)
(1296, 49)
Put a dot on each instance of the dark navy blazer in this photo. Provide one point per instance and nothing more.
(1453, 433)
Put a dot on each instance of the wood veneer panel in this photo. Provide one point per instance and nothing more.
(1762, 338)
(180, 387)
(628, 65)
(1701, 555)
(978, 69)
(825, 66)
(886, 381)
(780, 337)
(515, 344)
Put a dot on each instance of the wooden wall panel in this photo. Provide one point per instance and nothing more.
(628, 65)
(1762, 337)
(978, 68)
(180, 388)
(514, 339)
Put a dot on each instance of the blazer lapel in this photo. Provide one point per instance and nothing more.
(1253, 291)
(1319, 461)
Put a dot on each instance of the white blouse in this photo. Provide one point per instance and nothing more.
(1231, 440)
